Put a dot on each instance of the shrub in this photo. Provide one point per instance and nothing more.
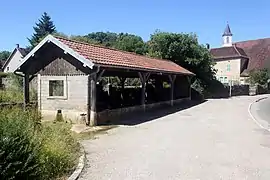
(29, 150)
(59, 150)
(259, 77)
(19, 158)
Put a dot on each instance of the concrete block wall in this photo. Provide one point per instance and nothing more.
(72, 104)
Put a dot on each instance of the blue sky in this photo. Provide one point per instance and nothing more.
(248, 20)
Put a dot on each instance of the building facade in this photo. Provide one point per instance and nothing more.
(234, 60)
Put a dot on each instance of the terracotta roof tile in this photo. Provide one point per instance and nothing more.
(121, 59)
(258, 52)
(228, 52)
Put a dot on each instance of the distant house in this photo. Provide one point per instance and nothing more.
(69, 76)
(14, 59)
(234, 61)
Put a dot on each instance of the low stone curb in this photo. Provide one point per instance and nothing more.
(75, 175)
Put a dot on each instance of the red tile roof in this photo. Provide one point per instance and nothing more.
(227, 52)
(120, 59)
(258, 52)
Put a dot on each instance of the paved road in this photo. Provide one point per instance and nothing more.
(261, 112)
(214, 140)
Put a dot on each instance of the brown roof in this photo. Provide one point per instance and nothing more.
(228, 52)
(258, 52)
(120, 59)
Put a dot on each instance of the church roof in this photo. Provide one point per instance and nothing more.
(258, 52)
(228, 52)
(227, 31)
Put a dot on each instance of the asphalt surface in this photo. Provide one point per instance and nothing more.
(261, 111)
(264, 109)
(214, 140)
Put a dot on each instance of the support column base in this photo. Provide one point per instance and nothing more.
(93, 118)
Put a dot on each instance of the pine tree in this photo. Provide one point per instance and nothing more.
(44, 27)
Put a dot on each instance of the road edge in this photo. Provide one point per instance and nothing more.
(251, 115)
(75, 175)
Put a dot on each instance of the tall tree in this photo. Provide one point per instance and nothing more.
(131, 43)
(184, 50)
(43, 27)
(4, 55)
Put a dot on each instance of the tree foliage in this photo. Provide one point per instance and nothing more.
(130, 43)
(4, 55)
(260, 77)
(121, 41)
(44, 27)
(107, 39)
(184, 50)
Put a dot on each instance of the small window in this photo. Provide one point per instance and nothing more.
(227, 40)
(8, 68)
(221, 79)
(225, 80)
(228, 67)
(56, 88)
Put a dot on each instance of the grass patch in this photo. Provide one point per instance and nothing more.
(31, 150)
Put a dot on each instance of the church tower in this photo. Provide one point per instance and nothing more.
(227, 37)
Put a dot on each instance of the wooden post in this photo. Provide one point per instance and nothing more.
(93, 99)
(39, 91)
(26, 90)
(172, 79)
(189, 83)
(143, 77)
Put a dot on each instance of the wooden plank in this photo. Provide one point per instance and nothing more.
(172, 81)
(26, 90)
(93, 100)
(100, 74)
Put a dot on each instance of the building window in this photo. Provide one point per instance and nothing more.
(221, 79)
(56, 88)
(225, 80)
(228, 40)
(228, 67)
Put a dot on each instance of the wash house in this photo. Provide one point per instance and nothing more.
(96, 83)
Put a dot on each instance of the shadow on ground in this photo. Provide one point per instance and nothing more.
(132, 119)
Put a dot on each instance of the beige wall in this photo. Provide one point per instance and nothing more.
(232, 74)
(14, 62)
(72, 104)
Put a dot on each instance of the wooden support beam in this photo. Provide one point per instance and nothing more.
(100, 74)
(122, 82)
(143, 77)
(189, 84)
(26, 90)
(31, 78)
(93, 98)
(172, 80)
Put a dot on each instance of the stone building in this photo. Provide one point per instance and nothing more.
(234, 60)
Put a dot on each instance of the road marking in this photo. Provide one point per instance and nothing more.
(253, 118)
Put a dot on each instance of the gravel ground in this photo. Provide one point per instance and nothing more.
(214, 140)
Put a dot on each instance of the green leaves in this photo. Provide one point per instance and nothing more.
(4, 55)
(184, 50)
(260, 77)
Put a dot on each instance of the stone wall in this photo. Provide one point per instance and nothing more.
(111, 115)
